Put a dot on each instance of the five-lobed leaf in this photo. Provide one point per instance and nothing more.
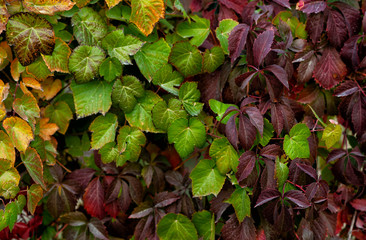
(103, 130)
(296, 144)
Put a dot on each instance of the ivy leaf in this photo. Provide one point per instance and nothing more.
(281, 172)
(130, 140)
(19, 132)
(220, 108)
(331, 134)
(86, 105)
(152, 57)
(6, 148)
(206, 179)
(27, 107)
(141, 116)
(176, 226)
(34, 195)
(121, 46)
(204, 222)
(145, 13)
(126, 91)
(223, 31)
(34, 165)
(59, 60)
(168, 79)
(23, 31)
(94, 199)
(296, 144)
(190, 95)
(241, 203)
(199, 30)
(186, 135)
(49, 7)
(164, 114)
(59, 113)
(212, 59)
(85, 61)
(103, 130)
(225, 155)
(186, 58)
(110, 69)
(89, 27)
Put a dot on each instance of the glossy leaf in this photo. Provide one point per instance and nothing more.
(199, 30)
(168, 79)
(34, 166)
(19, 132)
(225, 155)
(237, 40)
(186, 58)
(49, 7)
(164, 114)
(176, 226)
(296, 144)
(246, 165)
(103, 130)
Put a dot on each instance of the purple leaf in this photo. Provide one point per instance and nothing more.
(347, 88)
(113, 190)
(246, 165)
(336, 29)
(248, 12)
(236, 5)
(247, 101)
(298, 198)
(81, 177)
(351, 16)
(359, 204)
(164, 199)
(266, 196)
(280, 74)
(142, 210)
(237, 40)
(315, 26)
(243, 80)
(306, 68)
(233, 230)
(283, 3)
(94, 199)
(310, 6)
(271, 151)
(276, 118)
(255, 118)
(135, 188)
(262, 46)
(247, 132)
(218, 206)
(364, 23)
(148, 174)
(309, 170)
(359, 115)
(97, 228)
(335, 155)
(231, 132)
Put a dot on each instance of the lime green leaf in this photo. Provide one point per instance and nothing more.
(164, 115)
(19, 132)
(103, 130)
(152, 57)
(38, 69)
(281, 173)
(296, 145)
(331, 134)
(186, 58)
(121, 46)
(89, 27)
(222, 33)
(126, 91)
(85, 61)
(190, 95)
(178, 5)
(59, 60)
(186, 135)
(204, 222)
(225, 155)
(212, 59)
(27, 107)
(109, 152)
(7, 150)
(176, 226)
(220, 108)
(34, 195)
(110, 69)
(92, 97)
(145, 13)
(267, 133)
(168, 79)
(241, 203)
(199, 30)
(59, 113)
(49, 7)
(23, 31)
(206, 179)
(34, 165)
(141, 116)
(130, 140)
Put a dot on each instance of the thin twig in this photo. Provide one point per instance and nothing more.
(349, 237)
(67, 170)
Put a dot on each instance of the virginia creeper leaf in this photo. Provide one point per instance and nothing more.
(19, 132)
(176, 226)
(281, 172)
(296, 144)
(246, 165)
(220, 108)
(94, 199)
(103, 130)
(262, 46)
(186, 58)
(237, 40)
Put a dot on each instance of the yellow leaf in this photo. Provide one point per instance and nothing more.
(16, 69)
(112, 3)
(47, 129)
(50, 88)
(4, 90)
(2, 111)
(19, 132)
(48, 7)
(4, 15)
(6, 148)
(32, 83)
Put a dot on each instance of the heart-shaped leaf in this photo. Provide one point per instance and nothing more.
(296, 144)
(186, 58)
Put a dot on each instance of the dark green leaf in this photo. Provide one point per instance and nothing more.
(110, 69)
(186, 58)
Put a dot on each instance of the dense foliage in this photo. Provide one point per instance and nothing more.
(182, 119)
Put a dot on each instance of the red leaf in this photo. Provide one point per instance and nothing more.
(298, 198)
(276, 118)
(330, 70)
(335, 155)
(81, 177)
(359, 204)
(266, 196)
(280, 74)
(310, 6)
(246, 165)
(262, 46)
(94, 199)
(231, 132)
(315, 26)
(237, 40)
(309, 170)
(336, 29)
(233, 230)
(243, 80)
(247, 132)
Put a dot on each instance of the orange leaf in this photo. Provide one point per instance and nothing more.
(50, 88)
(2, 111)
(32, 83)
(47, 129)
(4, 15)
(48, 7)
(6, 148)
(19, 132)
(16, 69)
(82, 3)
(4, 91)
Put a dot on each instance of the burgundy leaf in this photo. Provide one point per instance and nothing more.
(309, 170)
(354, 176)
(262, 46)
(336, 29)
(233, 230)
(310, 6)
(255, 118)
(112, 208)
(113, 190)
(266, 196)
(57, 173)
(74, 219)
(243, 80)
(271, 151)
(226, 13)
(351, 16)
(283, 3)
(94, 199)
(81, 176)
(124, 200)
(248, 11)
(276, 118)
(309, 94)
(280, 74)
(135, 187)
(306, 67)
(298, 198)
(97, 228)
(164, 199)
(268, 180)
(359, 204)
(196, 5)
(218, 204)
(142, 210)
(236, 5)
(147, 174)
(350, 51)
(330, 70)
(283, 221)
(247, 101)
(237, 40)
(359, 115)
(246, 165)
(347, 88)
(60, 199)
(364, 23)
(247, 132)
(315, 26)
(231, 132)
(174, 178)
(335, 155)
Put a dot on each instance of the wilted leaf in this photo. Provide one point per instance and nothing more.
(225, 155)
(34, 195)
(296, 144)
(186, 58)
(60, 114)
(199, 30)
(34, 166)
(48, 7)
(59, 60)
(103, 130)
(19, 132)
(176, 226)
(50, 88)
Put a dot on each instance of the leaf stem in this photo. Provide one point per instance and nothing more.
(67, 170)
(349, 235)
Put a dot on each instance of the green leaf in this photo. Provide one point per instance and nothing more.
(331, 134)
(130, 140)
(7, 150)
(126, 91)
(213, 58)
(23, 31)
(38, 69)
(76, 147)
(267, 133)
(152, 57)
(241, 203)
(168, 79)
(186, 58)
(9, 179)
(186, 135)
(46, 150)
(296, 145)
(34, 195)
(59, 60)
(176, 226)
(141, 116)
(225, 155)
(110, 69)
(204, 222)
(199, 30)
(121, 46)
(59, 113)
(164, 115)
(109, 152)
(206, 179)
(85, 61)
(190, 95)
(92, 97)
(34, 165)
(103, 130)
(19, 132)
(220, 108)
(11, 212)
(222, 33)
(281, 173)
(27, 107)
(89, 27)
